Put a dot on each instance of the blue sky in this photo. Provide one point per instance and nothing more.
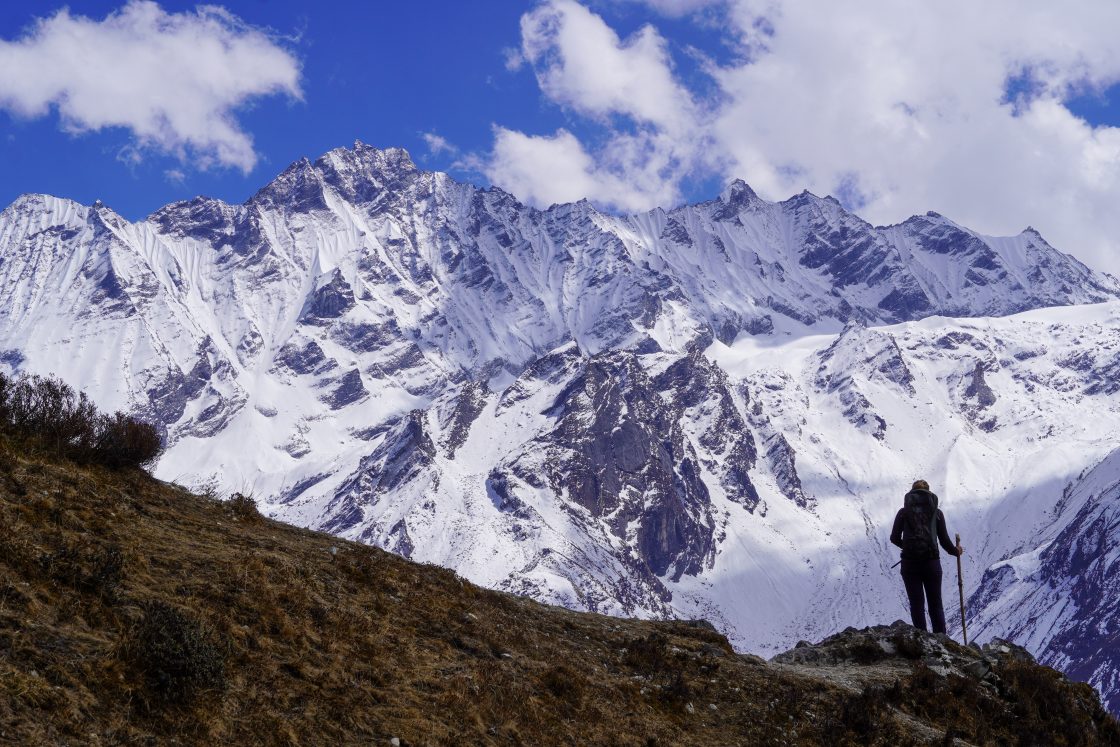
(378, 72)
(1000, 118)
(383, 73)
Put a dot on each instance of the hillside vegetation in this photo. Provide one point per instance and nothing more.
(132, 611)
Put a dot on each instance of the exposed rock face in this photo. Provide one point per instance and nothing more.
(304, 359)
(702, 393)
(347, 390)
(403, 457)
(783, 463)
(859, 348)
(468, 406)
(842, 245)
(618, 452)
(980, 398)
(1085, 558)
(329, 301)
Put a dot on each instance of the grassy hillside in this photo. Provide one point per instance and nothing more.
(132, 611)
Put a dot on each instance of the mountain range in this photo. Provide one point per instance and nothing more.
(711, 411)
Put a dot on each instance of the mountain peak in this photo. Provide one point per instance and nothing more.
(363, 174)
(739, 193)
(39, 201)
(375, 159)
(805, 197)
(297, 188)
(44, 211)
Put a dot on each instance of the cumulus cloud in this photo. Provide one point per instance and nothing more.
(581, 63)
(175, 80)
(628, 86)
(544, 170)
(895, 106)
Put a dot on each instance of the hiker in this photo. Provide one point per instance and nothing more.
(918, 527)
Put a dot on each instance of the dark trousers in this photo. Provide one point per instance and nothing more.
(923, 583)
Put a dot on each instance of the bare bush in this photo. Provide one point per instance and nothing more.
(48, 412)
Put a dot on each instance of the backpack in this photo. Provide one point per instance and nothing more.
(919, 525)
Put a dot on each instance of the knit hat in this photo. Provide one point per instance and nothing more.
(920, 485)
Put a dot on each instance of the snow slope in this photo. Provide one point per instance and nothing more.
(1060, 596)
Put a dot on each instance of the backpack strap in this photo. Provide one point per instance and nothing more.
(933, 520)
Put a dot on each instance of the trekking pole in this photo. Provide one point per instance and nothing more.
(960, 588)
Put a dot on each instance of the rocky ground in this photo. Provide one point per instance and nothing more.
(132, 611)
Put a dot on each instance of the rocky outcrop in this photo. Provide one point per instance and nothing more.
(468, 406)
(345, 390)
(979, 397)
(619, 453)
(329, 301)
(903, 675)
(404, 456)
(700, 390)
(861, 349)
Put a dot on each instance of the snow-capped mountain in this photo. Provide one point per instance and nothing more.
(1061, 597)
(710, 411)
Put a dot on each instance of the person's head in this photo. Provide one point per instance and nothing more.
(920, 485)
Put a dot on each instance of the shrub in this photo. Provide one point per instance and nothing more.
(177, 656)
(125, 442)
(564, 683)
(1045, 701)
(244, 508)
(908, 644)
(49, 413)
(677, 691)
(648, 655)
(860, 714)
(96, 570)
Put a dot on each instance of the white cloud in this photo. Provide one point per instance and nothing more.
(513, 58)
(438, 144)
(174, 79)
(543, 170)
(677, 8)
(582, 64)
(900, 106)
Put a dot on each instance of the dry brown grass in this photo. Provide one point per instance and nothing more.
(262, 636)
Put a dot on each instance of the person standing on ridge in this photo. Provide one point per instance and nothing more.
(918, 528)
